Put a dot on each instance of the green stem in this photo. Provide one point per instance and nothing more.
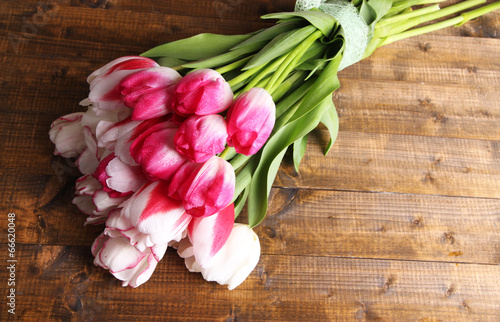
(289, 83)
(291, 61)
(397, 28)
(479, 12)
(235, 65)
(399, 6)
(244, 76)
(270, 68)
(422, 30)
(228, 153)
(405, 16)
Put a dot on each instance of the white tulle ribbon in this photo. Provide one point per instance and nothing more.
(354, 27)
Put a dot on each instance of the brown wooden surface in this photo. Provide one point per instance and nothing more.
(401, 221)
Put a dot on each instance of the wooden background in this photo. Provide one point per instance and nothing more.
(401, 221)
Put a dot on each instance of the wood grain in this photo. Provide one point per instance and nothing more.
(399, 222)
(291, 288)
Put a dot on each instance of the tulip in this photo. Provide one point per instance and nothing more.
(208, 234)
(201, 137)
(250, 120)
(67, 135)
(117, 178)
(206, 189)
(124, 261)
(90, 158)
(98, 124)
(93, 201)
(149, 217)
(155, 150)
(233, 262)
(104, 89)
(201, 92)
(149, 92)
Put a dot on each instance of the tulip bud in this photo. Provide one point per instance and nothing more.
(67, 135)
(201, 92)
(155, 150)
(233, 262)
(209, 234)
(104, 91)
(117, 178)
(124, 261)
(149, 92)
(201, 137)
(205, 188)
(150, 217)
(250, 120)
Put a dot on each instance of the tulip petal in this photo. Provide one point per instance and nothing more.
(209, 234)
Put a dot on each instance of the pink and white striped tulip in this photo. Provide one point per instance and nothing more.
(233, 263)
(201, 137)
(149, 92)
(150, 217)
(67, 135)
(155, 150)
(90, 158)
(201, 92)
(209, 234)
(206, 188)
(118, 178)
(104, 89)
(250, 121)
(124, 261)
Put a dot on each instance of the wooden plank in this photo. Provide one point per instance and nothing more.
(61, 283)
(398, 163)
(358, 161)
(120, 28)
(300, 222)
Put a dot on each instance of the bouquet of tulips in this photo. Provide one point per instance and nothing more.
(175, 142)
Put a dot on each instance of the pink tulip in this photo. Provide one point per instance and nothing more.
(124, 261)
(206, 188)
(250, 120)
(155, 150)
(150, 217)
(67, 135)
(233, 263)
(201, 92)
(120, 136)
(117, 178)
(201, 137)
(149, 92)
(104, 90)
(209, 234)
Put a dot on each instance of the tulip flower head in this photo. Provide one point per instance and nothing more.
(201, 92)
(67, 135)
(205, 188)
(250, 120)
(233, 262)
(201, 137)
(149, 92)
(124, 261)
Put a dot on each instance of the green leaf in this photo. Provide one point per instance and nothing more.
(226, 58)
(299, 149)
(269, 33)
(271, 155)
(170, 62)
(280, 45)
(198, 47)
(317, 18)
(331, 120)
(239, 203)
(324, 86)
